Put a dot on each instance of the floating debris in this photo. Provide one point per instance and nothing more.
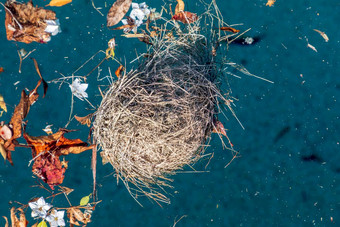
(324, 36)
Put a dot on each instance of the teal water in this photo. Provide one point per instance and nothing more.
(288, 172)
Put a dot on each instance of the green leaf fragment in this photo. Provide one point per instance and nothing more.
(85, 200)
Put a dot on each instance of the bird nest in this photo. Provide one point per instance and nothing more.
(155, 120)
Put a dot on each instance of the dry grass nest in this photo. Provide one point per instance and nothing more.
(155, 120)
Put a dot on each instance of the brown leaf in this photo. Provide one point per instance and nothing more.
(84, 120)
(20, 112)
(75, 216)
(66, 190)
(185, 17)
(1, 69)
(45, 85)
(26, 23)
(22, 222)
(230, 29)
(117, 12)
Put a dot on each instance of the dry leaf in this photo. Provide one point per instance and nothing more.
(117, 12)
(84, 120)
(64, 163)
(179, 6)
(219, 128)
(46, 151)
(125, 26)
(3, 152)
(270, 3)
(6, 224)
(119, 71)
(59, 2)
(45, 85)
(185, 17)
(137, 35)
(56, 143)
(2, 103)
(66, 190)
(75, 216)
(26, 23)
(22, 222)
(312, 47)
(1, 69)
(230, 29)
(324, 36)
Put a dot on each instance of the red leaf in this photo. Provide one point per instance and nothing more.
(185, 17)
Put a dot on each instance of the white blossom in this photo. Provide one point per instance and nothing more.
(138, 13)
(56, 218)
(53, 26)
(78, 89)
(39, 208)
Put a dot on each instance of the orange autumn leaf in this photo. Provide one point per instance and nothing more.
(185, 17)
(129, 26)
(46, 151)
(59, 2)
(270, 3)
(119, 70)
(179, 7)
(56, 143)
(84, 120)
(1, 69)
(230, 29)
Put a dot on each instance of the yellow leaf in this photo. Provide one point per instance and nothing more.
(179, 6)
(42, 224)
(3, 152)
(3, 104)
(85, 200)
(59, 2)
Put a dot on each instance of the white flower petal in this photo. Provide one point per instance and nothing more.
(41, 201)
(124, 21)
(79, 89)
(33, 205)
(46, 207)
(61, 222)
(135, 5)
(146, 12)
(34, 213)
(139, 23)
(42, 213)
(137, 14)
(60, 214)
